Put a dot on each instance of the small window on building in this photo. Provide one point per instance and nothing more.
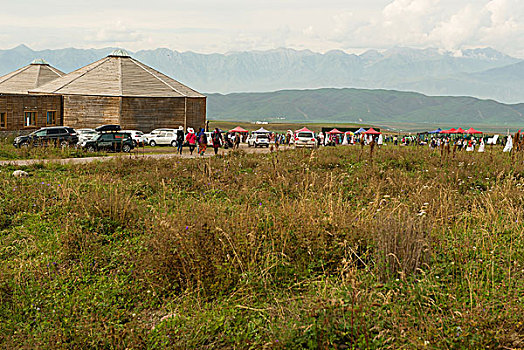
(3, 120)
(30, 119)
(51, 117)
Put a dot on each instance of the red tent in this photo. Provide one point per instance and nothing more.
(372, 131)
(460, 131)
(473, 131)
(303, 130)
(450, 131)
(335, 131)
(238, 129)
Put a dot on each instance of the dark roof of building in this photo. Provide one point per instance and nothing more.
(118, 74)
(32, 76)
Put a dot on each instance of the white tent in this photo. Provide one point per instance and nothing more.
(261, 131)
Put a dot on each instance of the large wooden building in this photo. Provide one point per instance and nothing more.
(21, 111)
(121, 90)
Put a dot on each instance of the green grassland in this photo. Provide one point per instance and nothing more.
(291, 249)
(276, 127)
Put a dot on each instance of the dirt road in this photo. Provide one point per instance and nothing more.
(137, 154)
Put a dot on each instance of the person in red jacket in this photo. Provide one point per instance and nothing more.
(191, 139)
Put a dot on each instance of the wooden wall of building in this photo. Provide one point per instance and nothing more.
(148, 113)
(140, 113)
(90, 111)
(196, 112)
(15, 107)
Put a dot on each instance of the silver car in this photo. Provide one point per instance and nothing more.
(149, 137)
(85, 135)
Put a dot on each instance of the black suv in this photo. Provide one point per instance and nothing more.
(56, 135)
(111, 141)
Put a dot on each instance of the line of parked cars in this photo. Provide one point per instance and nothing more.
(103, 138)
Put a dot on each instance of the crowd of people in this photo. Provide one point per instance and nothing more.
(217, 139)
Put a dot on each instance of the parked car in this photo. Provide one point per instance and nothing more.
(111, 141)
(150, 136)
(305, 139)
(258, 140)
(108, 128)
(85, 134)
(164, 138)
(56, 135)
(137, 136)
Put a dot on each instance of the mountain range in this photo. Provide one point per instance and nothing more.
(483, 73)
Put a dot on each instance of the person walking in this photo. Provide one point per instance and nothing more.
(216, 138)
(202, 142)
(179, 139)
(191, 139)
(237, 141)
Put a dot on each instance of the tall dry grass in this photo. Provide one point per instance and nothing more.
(291, 249)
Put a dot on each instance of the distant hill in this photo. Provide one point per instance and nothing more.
(484, 73)
(362, 106)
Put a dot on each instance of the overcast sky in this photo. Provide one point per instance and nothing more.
(207, 26)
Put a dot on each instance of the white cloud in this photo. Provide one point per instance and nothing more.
(232, 25)
(115, 33)
(458, 30)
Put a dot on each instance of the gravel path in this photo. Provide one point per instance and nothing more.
(133, 155)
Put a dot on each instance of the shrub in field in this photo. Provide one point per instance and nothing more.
(402, 244)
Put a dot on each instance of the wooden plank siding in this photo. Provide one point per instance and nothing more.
(15, 107)
(196, 112)
(90, 111)
(148, 113)
(135, 113)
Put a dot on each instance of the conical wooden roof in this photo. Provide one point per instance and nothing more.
(29, 77)
(117, 75)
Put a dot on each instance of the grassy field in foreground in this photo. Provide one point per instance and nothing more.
(295, 249)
